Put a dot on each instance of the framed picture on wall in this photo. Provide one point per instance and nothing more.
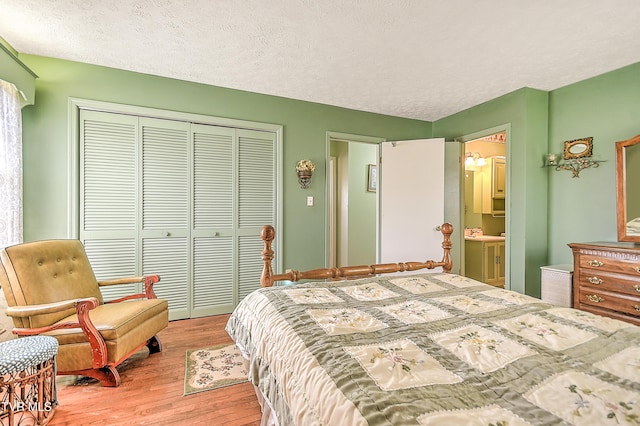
(372, 181)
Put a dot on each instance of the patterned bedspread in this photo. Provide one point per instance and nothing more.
(435, 349)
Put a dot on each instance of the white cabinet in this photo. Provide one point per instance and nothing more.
(489, 187)
(498, 178)
(485, 261)
(494, 269)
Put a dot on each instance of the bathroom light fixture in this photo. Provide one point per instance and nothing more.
(473, 160)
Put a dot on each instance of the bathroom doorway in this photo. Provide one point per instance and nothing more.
(485, 201)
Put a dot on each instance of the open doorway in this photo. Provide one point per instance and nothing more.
(485, 205)
(362, 228)
(352, 203)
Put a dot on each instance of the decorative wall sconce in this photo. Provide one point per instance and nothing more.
(305, 170)
(576, 165)
(473, 160)
(575, 158)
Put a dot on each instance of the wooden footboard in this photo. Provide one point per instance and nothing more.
(267, 279)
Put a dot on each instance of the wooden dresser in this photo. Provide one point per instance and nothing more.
(606, 279)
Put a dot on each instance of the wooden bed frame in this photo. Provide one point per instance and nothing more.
(267, 278)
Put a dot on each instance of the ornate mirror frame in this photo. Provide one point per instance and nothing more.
(628, 196)
(578, 148)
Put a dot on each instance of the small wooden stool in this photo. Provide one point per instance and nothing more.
(28, 380)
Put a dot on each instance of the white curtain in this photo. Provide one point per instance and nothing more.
(10, 165)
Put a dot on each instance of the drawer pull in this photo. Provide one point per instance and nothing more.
(595, 263)
(637, 287)
(636, 307)
(594, 280)
(595, 298)
(637, 269)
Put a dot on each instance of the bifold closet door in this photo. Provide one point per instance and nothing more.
(233, 197)
(214, 208)
(109, 197)
(165, 188)
(257, 203)
(182, 200)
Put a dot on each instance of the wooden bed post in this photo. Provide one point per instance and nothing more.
(268, 233)
(447, 230)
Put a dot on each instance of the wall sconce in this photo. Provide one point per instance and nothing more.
(305, 169)
(576, 157)
(575, 165)
(473, 160)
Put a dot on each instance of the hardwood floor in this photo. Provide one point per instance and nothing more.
(152, 387)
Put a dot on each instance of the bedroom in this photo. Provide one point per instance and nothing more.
(606, 107)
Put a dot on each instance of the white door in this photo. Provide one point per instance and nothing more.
(411, 197)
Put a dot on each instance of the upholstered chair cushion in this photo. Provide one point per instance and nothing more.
(122, 325)
(55, 270)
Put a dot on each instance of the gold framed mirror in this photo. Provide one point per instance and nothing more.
(578, 148)
(628, 189)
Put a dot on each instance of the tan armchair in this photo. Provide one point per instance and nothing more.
(51, 290)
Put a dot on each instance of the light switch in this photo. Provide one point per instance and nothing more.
(310, 201)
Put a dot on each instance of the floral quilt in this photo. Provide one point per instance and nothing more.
(434, 349)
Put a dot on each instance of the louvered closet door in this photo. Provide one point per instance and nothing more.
(256, 203)
(165, 224)
(213, 230)
(108, 197)
(233, 197)
(185, 201)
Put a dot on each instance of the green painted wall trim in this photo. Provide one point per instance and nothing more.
(15, 71)
(305, 126)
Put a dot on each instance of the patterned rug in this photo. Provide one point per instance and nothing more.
(213, 368)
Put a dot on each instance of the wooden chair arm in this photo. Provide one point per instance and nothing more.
(82, 307)
(46, 308)
(127, 280)
(149, 281)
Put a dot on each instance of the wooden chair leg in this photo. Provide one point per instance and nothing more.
(154, 345)
(108, 375)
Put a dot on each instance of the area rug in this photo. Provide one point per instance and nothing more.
(213, 368)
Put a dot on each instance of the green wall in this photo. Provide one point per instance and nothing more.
(606, 107)
(525, 112)
(305, 125)
(547, 208)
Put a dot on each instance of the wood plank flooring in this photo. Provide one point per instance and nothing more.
(152, 387)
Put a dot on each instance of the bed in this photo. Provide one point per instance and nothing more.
(429, 349)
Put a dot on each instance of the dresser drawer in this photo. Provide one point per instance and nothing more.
(606, 279)
(602, 263)
(612, 301)
(598, 280)
(611, 314)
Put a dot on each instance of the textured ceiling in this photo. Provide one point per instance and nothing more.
(423, 59)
